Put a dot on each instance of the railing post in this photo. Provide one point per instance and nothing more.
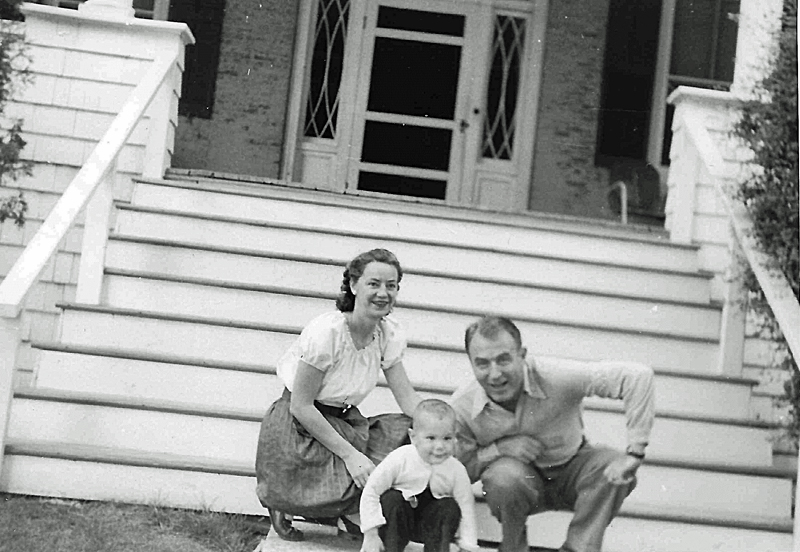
(683, 181)
(108, 9)
(734, 313)
(9, 342)
(160, 137)
(95, 239)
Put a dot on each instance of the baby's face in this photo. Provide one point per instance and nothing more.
(434, 438)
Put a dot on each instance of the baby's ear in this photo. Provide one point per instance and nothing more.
(411, 432)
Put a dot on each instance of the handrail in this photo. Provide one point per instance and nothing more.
(19, 280)
(773, 282)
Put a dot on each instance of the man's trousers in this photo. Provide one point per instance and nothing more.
(514, 490)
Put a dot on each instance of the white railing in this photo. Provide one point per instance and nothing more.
(773, 282)
(92, 188)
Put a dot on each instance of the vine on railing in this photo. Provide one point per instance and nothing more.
(770, 195)
(14, 74)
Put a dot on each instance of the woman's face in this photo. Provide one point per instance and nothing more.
(375, 290)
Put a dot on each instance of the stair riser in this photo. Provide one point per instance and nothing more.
(262, 307)
(220, 388)
(672, 438)
(235, 441)
(536, 272)
(94, 481)
(421, 228)
(225, 343)
(418, 257)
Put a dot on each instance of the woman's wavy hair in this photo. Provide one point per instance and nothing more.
(355, 268)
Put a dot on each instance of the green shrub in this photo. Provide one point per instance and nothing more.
(771, 197)
(13, 74)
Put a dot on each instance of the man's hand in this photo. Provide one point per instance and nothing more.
(522, 447)
(622, 471)
(359, 467)
(372, 541)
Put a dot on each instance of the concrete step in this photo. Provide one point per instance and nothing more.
(417, 257)
(441, 225)
(114, 371)
(94, 473)
(231, 435)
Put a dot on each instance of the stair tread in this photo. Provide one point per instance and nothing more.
(68, 451)
(255, 415)
(233, 284)
(136, 354)
(296, 329)
(702, 274)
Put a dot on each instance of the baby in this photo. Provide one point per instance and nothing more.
(419, 491)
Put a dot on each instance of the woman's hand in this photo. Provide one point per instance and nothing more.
(359, 467)
(372, 542)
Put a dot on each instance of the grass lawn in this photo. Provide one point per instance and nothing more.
(53, 525)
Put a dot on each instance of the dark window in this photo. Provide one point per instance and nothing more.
(628, 75)
(703, 51)
(401, 185)
(204, 18)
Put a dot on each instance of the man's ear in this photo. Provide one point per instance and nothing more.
(523, 351)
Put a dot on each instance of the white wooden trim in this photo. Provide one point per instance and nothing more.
(95, 240)
(292, 134)
(9, 343)
(529, 115)
(161, 10)
(31, 262)
(658, 113)
(157, 152)
(732, 331)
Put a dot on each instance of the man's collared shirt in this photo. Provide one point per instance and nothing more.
(550, 410)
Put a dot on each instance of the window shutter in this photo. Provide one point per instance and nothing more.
(204, 18)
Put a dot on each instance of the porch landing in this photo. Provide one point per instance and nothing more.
(384, 202)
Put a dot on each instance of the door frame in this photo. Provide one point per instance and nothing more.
(483, 180)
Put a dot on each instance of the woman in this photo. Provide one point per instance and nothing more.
(312, 450)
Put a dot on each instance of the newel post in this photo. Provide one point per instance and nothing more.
(9, 342)
(108, 9)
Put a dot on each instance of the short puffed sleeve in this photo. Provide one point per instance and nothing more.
(316, 345)
(393, 342)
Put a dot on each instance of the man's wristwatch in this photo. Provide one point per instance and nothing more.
(635, 454)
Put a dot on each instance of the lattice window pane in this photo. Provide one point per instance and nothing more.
(326, 68)
(501, 100)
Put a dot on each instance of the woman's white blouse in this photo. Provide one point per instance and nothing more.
(350, 374)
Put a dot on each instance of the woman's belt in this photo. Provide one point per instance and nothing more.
(330, 410)
(335, 411)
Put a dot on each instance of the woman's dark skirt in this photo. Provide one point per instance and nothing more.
(298, 475)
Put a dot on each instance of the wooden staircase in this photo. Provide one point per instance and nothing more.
(156, 394)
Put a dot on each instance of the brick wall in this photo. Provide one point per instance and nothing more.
(565, 179)
(245, 133)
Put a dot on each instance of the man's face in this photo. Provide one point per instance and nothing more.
(498, 366)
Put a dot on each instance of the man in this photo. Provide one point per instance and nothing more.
(521, 434)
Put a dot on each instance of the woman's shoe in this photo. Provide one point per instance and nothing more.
(284, 527)
(351, 529)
